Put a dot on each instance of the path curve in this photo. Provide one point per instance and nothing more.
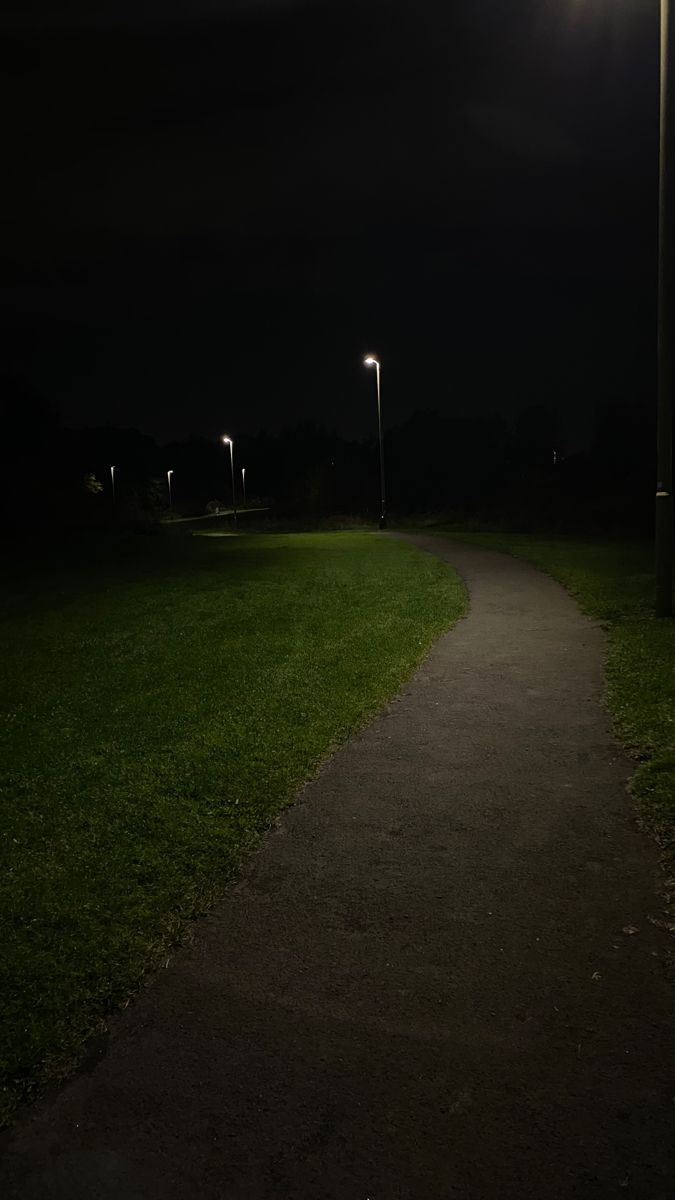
(420, 990)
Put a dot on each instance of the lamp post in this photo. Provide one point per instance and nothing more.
(371, 361)
(228, 442)
(168, 480)
(666, 332)
(112, 479)
(243, 484)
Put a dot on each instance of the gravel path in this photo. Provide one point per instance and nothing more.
(420, 989)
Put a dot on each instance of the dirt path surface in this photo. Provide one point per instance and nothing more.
(420, 989)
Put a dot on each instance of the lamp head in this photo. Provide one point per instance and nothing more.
(371, 361)
(226, 440)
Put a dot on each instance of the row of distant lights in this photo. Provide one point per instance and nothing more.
(170, 472)
(369, 361)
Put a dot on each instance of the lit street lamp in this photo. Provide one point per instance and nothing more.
(112, 477)
(168, 480)
(370, 361)
(666, 332)
(243, 483)
(228, 442)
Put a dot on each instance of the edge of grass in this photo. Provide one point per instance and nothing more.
(635, 680)
(179, 927)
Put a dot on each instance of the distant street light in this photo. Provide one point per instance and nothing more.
(243, 483)
(168, 480)
(371, 361)
(228, 442)
(666, 332)
(112, 477)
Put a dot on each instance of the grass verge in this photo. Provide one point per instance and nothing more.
(160, 707)
(614, 583)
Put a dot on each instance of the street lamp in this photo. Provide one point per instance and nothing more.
(228, 442)
(666, 313)
(112, 477)
(243, 483)
(663, 524)
(168, 480)
(371, 361)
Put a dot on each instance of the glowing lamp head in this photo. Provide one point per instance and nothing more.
(370, 361)
(170, 472)
(227, 441)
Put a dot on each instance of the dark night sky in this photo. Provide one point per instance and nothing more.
(219, 205)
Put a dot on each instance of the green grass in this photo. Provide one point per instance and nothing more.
(160, 706)
(614, 583)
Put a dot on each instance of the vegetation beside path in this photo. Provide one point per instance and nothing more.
(614, 583)
(160, 705)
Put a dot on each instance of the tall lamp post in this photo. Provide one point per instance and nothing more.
(666, 332)
(228, 442)
(371, 361)
(243, 483)
(168, 480)
(112, 480)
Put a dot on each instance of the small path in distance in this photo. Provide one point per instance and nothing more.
(224, 512)
(422, 988)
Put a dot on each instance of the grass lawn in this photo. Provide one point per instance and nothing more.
(160, 705)
(615, 584)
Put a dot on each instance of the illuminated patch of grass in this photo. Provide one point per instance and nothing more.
(614, 583)
(160, 706)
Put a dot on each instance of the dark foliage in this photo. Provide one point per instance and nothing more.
(476, 469)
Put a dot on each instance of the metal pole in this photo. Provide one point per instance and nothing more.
(666, 332)
(168, 476)
(112, 476)
(243, 483)
(383, 507)
(234, 501)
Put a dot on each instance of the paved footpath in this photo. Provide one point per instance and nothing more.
(420, 990)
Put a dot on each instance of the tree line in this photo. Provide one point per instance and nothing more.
(489, 469)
